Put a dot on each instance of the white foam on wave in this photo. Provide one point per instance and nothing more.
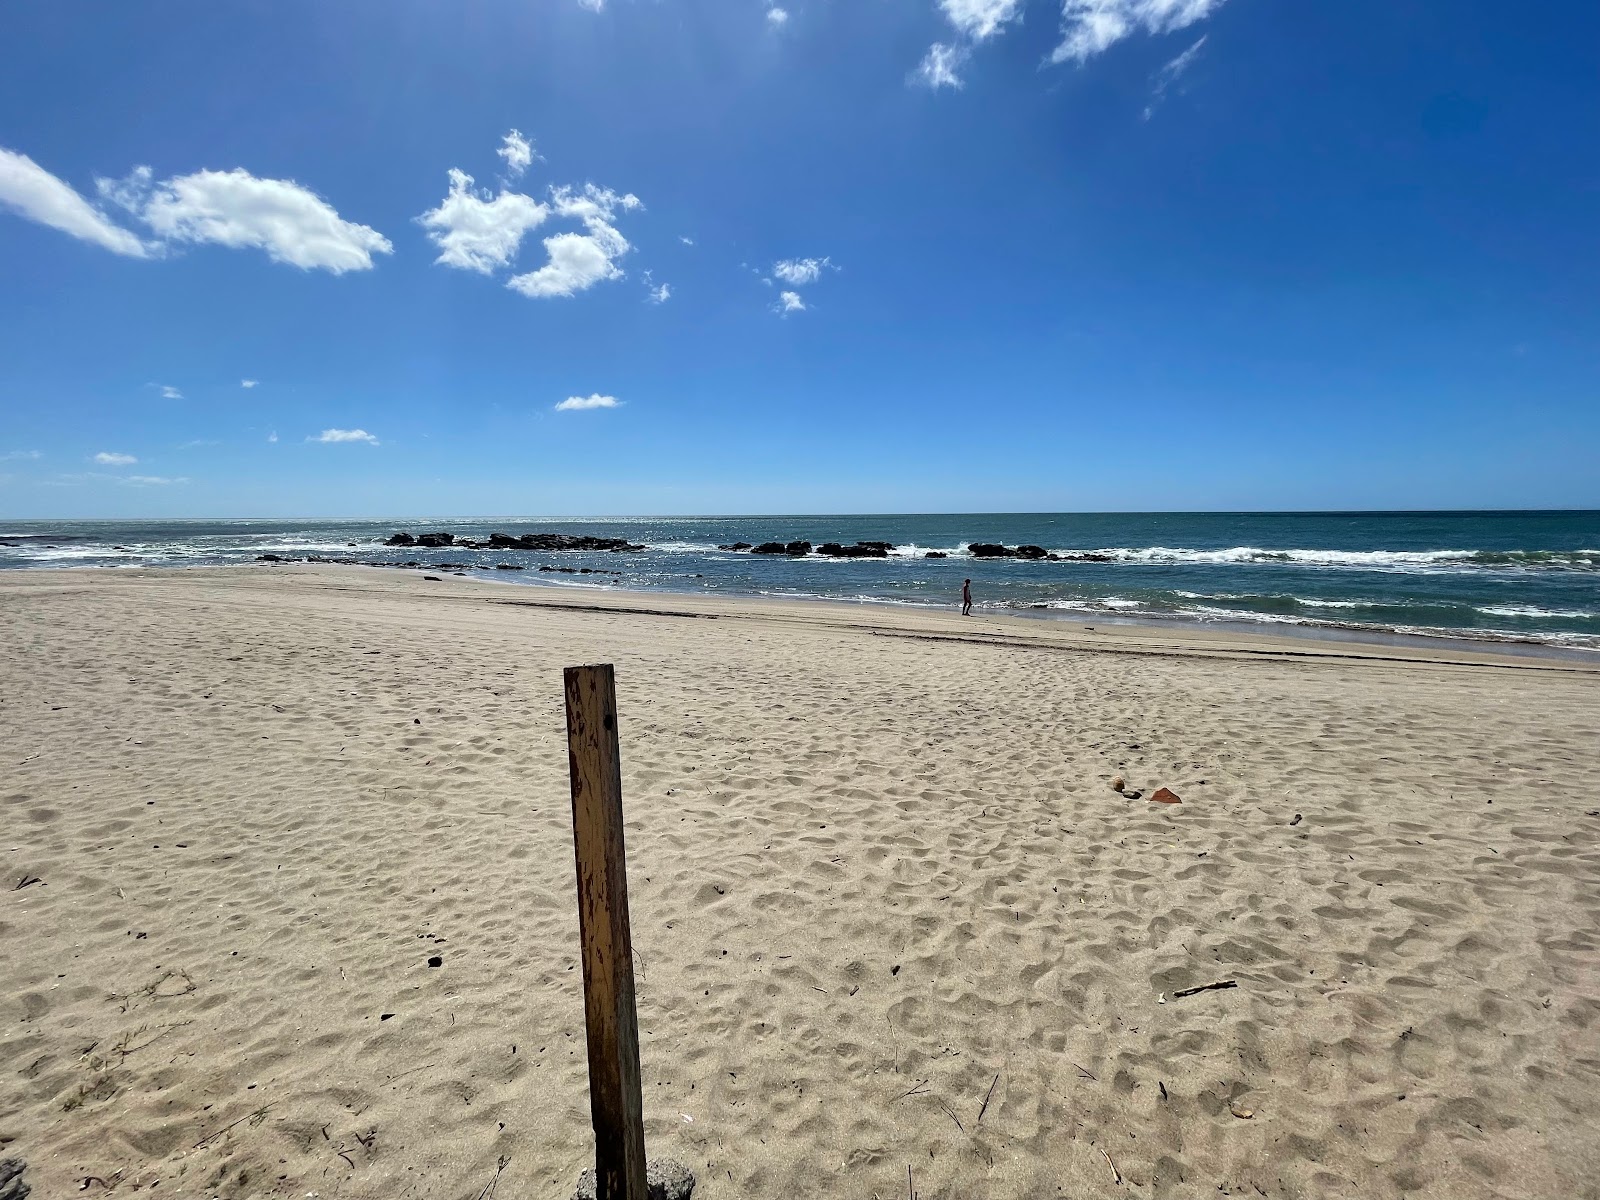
(1533, 610)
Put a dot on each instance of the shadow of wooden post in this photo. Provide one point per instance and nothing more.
(595, 763)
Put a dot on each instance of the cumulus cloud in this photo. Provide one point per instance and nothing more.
(979, 19)
(30, 191)
(777, 17)
(341, 435)
(1090, 27)
(800, 271)
(578, 261)
(583, 403)
(249, 383)
(110, 458)
(789, 302)
(477, 232)
(20, 455)
(939, 66)
(1168, 75)
(517, 151)
(292, 224)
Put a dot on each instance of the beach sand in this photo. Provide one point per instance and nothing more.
(889, 915)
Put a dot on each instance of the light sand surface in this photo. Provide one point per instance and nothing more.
(877, 875)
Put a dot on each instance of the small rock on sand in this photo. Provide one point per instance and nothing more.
(1165, 796)
(1117, 783)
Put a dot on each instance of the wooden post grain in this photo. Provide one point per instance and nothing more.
(614, 1093)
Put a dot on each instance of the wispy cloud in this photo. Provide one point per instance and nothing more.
(273, 436)
(20, 456)
(111, 458)
(980, 19)
(249, 383)
(342, 435)
(687, 241)
(593, 5)
(940, 65)
(656, 294)
(518, 152)
(30, 191)
(170, 393)
(150, 480)
(790, 302)
(1168, 75)
(777, 17)
(800, 271)
(192, 443)
(584, 403)
(291, 223)
(1090, 27)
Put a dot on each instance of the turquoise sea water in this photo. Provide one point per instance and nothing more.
(1509, 576)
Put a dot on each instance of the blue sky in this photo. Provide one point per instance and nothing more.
(823, 255)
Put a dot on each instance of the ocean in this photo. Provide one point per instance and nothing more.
(1529, 577)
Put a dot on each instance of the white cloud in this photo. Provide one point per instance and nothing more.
(170, 393)
(789, 302)
(149, 480)
(273, 436)
(19, 455)
(477, 233)
(234, 208)
(687, 241)
(777, 17)
(593, 5)
(249, 383)
(979, 19)
(1089, 27)
(32, 192)
(518, 152)
(583, 403)
(578, 261)
(656, 295)
(112, 459)
(342, 435)
(799, 271)
(939, 66)
(1168, 75)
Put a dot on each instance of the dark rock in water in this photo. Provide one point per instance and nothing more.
(12, 1186)
(401, 539)
(735, 546)
(433, 579)
(768, 548)
(884, 546)
(797, 549)
(664, 1180)
(436, 540)
(1033, 552)
(270, 558)
(989, 550)
(935, 554)
(507, 567)
(1084, 556)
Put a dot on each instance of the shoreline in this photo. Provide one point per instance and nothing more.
(1000, 626)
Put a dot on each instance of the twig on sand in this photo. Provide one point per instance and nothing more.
(952, 1115)
(1205, 987)
(986, 1096)
(27, 881)
(1115, 1174)
(493, 1184)
(211, 1137)
(910, 1187)
(1087, 1074)
(916, 1091)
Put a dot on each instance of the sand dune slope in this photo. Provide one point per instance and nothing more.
(889, 914)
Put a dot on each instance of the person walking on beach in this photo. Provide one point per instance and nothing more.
(966, 597)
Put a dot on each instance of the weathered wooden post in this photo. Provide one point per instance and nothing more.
(614, 1095)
